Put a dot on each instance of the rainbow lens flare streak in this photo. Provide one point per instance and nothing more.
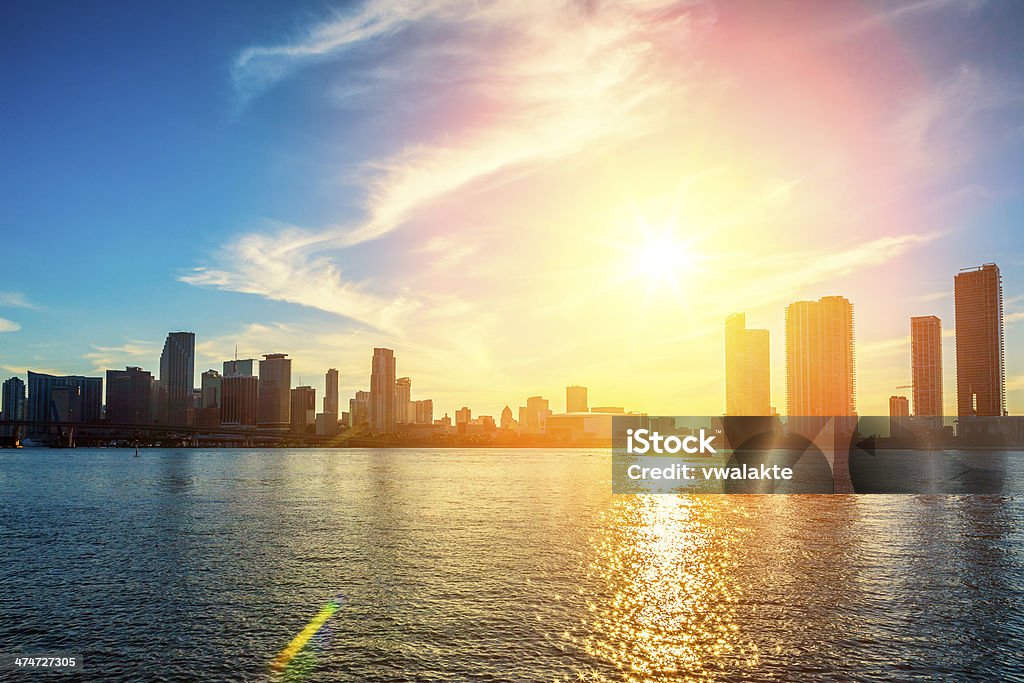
(303, 636)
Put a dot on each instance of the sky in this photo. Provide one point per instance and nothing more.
(514, 196)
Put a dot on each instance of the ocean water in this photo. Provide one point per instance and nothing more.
(490, 565)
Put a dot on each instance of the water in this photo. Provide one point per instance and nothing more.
(491, 565)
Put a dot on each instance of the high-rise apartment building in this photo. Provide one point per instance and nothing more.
(534, 417)
(12, 404)
(403, 395)
(275, 391)
(177, 372)
(382, 391)
(359, 409)
(926, 365)
(747, 369)
(423, 411)
(980, 379)
(576, 399)
(130, 396)
(820, 373)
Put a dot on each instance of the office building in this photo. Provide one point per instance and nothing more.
(275, 391)
(303, 410)
(211, 389)
(239, 404)
(575, 400)
(747, 369)
(980, 379)
(129, 396)
(382, 392)
(177, 372)
(331, 406)
(926, 365)
(239, 368)
(507, 422)
(463, 416)
(820, 374)
(403, 393)
(47, 399)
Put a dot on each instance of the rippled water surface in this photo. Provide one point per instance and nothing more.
(491, 565)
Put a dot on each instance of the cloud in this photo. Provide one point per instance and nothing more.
(555, 81)
(9, 325)
(15, 300)
(132, 352)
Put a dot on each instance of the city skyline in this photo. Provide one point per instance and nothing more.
(821, 377)
(275, 188)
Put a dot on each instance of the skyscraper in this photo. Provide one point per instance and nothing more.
(130, 396)
(506, 418)
(303, 410)
(382, 392)
(403, 393)
(463, 416)
(926, 365)
(239, 368)
(274, 391)
(820, 359)
(211, 389)
(980, 379)
(331, 393)
(177, 372)
(575, 400)
(13, 395)
(747, 368)
(239, 400)
(423, 411)
(12, 403)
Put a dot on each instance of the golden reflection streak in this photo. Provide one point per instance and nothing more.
(669, 569)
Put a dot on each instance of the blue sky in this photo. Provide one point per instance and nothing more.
(320, 178)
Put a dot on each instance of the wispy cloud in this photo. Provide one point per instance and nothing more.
(129, 353)
(9, 325)
(15, 300)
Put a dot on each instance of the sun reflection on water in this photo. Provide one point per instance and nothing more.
(669, 613)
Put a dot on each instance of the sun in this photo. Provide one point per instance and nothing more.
(663, 260)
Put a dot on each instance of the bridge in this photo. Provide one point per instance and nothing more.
(67, 434)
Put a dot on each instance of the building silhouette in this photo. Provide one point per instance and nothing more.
(926, 365)
(274, 391)
(67, 398)
(211, 389)
(507, 422)
(239, 400)
(747, 368)
(820, 372)
(899, 416)
(177, 373)
(303, 410)
(403, 396)
(331, 406)
(12, 403)
(575, 400)
(534, 416)
(980, 379)
(463, 416)
(130, 396)
(382, 392)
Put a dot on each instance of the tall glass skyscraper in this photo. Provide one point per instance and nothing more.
(177, 373)
(382, 392)
(747, 369)
(926, 365)
(275, 391)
